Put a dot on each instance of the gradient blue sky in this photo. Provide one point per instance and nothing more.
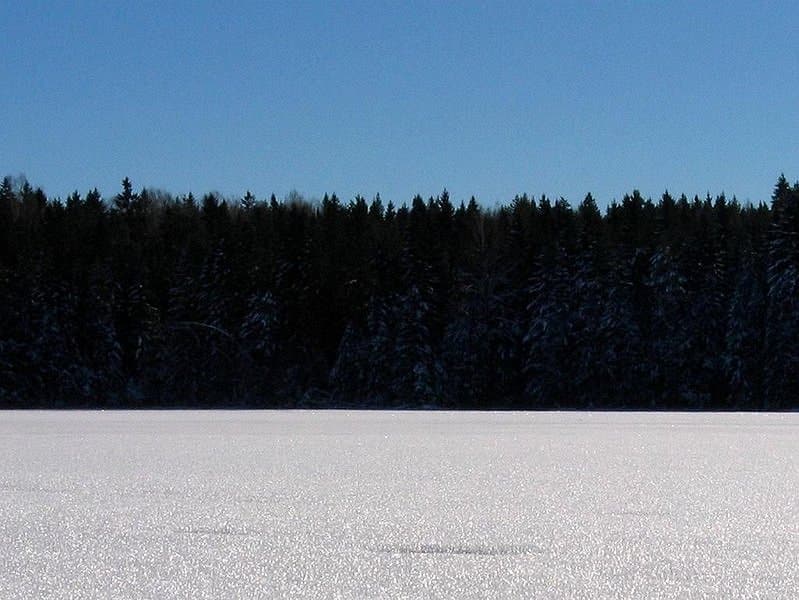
(489, 98)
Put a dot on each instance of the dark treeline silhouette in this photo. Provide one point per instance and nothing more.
(149, 300)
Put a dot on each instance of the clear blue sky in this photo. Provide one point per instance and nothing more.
(489, 98)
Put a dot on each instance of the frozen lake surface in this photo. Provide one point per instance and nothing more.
(350, 504)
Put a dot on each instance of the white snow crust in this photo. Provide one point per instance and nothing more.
(347, 504)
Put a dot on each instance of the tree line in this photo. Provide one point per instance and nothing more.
(147, 299)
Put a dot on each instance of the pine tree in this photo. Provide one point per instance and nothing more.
(481, 345)
(418, 371)
(259, 343)
(745, 336)
(127, 198)
(782, 313)
(670, 350)
(348, 377)
(7, 208)
(549, 339)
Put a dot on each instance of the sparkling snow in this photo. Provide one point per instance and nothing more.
(398, 505)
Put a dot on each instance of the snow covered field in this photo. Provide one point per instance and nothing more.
(398, 505)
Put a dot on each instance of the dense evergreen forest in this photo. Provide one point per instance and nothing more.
(148, 300)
